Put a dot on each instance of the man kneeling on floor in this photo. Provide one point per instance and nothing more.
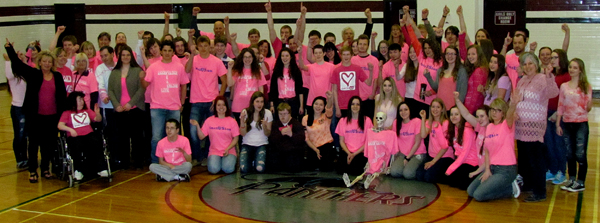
(174, 155)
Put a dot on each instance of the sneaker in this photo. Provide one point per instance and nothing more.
(103, 173)
(519, 180)
(576, 187)
(535, 198)
(22, 165)
(184, 177)
(159, 178)
(568, 185)
(516, 189)
(559, 178)
(368, 181)
(550, 176)
(346, 180)
(204, 162)
(78, 175)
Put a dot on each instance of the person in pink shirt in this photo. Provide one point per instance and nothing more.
(174, 155)
(345, 81)
(512, 60)
(224, 132)
(462, 138)
(182, 50)
(320, 75)
(352, 132)
(246, 77)
(286, 84)
(152, 52)
(396, 36)
(452, 76)
(285, 32)
(532, 94)
(440, 153)
(84, 79)
(394, 66)
(218, 27)
(67, 73)
(88, 48)
(574, 104)
(234, 50)
(363, 59)
(477, 69)
(167, 82)
(497, 180)
(410, 143)
(498, 83)
(82, 140)
(206, 70)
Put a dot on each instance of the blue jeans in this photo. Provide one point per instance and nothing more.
(199, 112)
(556, 158)
(497, 186)
(20, 136)
(253, 154)
(159, 117)
(336, 137)
(218, 163)
(576, 140)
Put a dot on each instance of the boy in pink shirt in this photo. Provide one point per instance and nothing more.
(206, 70)
(346, 81)
(320, 75)
(393, 67)
(167, 80)
(174, 155)
(363, 59)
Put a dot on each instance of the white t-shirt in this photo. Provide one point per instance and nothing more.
(257, 137)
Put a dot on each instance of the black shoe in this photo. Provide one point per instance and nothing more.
(33, 177)
(535, 198)
(568, 185)
(576, 187)
(23, 164)
(184, 177)
(160, 178)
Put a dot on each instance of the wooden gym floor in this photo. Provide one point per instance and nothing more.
(135, 196)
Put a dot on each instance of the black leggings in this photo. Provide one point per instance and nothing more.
(43, 134)
(328, 154)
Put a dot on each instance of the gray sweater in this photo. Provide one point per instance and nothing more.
(134, 88)
(462, 81)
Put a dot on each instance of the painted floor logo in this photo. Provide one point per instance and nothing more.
(316, 197)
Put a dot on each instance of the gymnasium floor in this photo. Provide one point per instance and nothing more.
(135, 196)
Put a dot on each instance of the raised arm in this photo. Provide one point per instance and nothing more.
(166, 28)
(565, 45)
(54, 41)
(19, 68)
(190, 63)
(464, 112)
(270, 23)
(463, 25)
(507, 42)
(231, 37)
(301, 64)
(301, 27)
(194, 22)
(424, 129)
(369, 25)
(140, 44)
(230, 80)
(443, 19)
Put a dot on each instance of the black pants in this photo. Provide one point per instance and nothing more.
(576, 141)
(285, 160)
(185, 118)
(43, 134)
(437, 172)
(532, 166)
(356, 167)
(328, 154)
(368, 108)
(87, 154)
(130, 138)
(147, 130)
(460, 177)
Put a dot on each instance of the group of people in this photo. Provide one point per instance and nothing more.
(426, 104)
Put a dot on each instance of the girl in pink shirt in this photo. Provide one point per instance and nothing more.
(82, 140)
(67, 73)
(88, 48)
(477, 69)
(223, 131)
(352, 131)
(318, 133)
(574, 103)
(440, 153)
(412, 148)
(500, 166)
(84, 79)
(462, 138)
(246, 76)
(286, 84)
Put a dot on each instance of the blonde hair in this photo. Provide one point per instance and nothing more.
(82, 56)
(583, 83)
(443, 113)
(344, 30)
(498, 103)
(394, 95)
(46, 53)
(85, 45)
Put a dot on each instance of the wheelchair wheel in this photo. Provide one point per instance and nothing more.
(61, 153)
(71, 181)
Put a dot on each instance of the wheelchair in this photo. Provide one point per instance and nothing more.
(65, 165)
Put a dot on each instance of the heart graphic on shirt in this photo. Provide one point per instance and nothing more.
(81, 117)
(347, 78)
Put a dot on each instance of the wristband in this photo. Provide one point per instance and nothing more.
(425, 19)
(406, 158)
(444, 16)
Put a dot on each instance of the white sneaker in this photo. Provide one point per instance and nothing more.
(78, 175)
(346, 180)
(103, 173)
(516, 189)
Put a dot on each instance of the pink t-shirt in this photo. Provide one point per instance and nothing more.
(165, 82)
(221, 132)
(512, 64)
(379, 147)
(47, 98)
(354, 137)
(205, 78)
(305, 75)
(79, 121)
(408, 134)
(245, 86)
(320, 76)
(365, 90)
(348, 81)
(432, 66)
(573, 103)
(446, 89)
(465, 153)
(67, 75)
(271, 63)
(86, 84)
(277, 46)
(124, 92)
(388, 70)
(170, 150)
(229, 49)
(438, 141)
(207, 34)
(500, 143)
(286, 85)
